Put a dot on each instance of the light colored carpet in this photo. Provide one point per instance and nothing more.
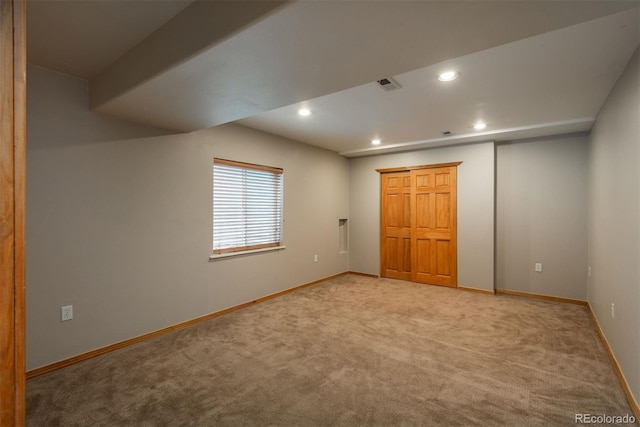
(349, 351)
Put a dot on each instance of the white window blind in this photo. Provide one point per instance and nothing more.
(247, 206)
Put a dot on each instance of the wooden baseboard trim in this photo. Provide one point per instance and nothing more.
(363, 274)
(543, 297)
(623, 381)
(480, 291)
(103, 350)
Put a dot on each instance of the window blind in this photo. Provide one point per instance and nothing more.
(247, 206)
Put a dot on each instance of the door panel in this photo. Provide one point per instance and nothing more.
(423, 211)
(443, 211)
(392, 253)
(443, 266)
(442, 180)
(394, 208)
(406, 209)
(406, 255)
(423, 253)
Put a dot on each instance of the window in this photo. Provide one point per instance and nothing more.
(247, 207)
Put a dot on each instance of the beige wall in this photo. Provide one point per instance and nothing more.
(475, 209)
(119, 222)
(119, 219)
(614, 215)
(541, 216)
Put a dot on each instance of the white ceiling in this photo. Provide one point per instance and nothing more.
(528, 68)
(551, 83)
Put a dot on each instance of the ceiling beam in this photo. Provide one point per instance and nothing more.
(521, 132)
(198, 27)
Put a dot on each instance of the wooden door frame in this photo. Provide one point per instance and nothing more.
(12, 211)
(409, 169)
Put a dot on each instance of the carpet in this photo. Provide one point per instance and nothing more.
(350, 351)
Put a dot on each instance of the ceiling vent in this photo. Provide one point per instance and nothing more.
(388, 84)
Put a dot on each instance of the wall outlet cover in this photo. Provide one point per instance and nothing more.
(66, 312)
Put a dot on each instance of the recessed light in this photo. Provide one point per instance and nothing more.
(376, 142)
(448, 76)
(480, 126)
(304, 112)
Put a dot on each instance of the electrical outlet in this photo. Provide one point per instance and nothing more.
(66, 312)
(613, 311)
(539, 267)
(589, 271)
(315, 258)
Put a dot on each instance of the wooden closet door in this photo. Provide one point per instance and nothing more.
(396, 225)
(434, 226)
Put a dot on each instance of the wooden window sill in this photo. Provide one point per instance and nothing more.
(215, 257)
